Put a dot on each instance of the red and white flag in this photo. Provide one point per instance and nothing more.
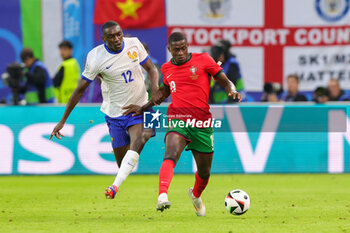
(272, 38)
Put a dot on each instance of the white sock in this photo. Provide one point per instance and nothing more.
(163, 197)
(128, 163)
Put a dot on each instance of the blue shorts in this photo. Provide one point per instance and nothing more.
(118, 128)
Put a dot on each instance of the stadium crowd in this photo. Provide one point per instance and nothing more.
(38, 86)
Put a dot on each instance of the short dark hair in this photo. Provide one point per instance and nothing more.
(26, 53)
(295, 76)
(66, 44)
(221, 47)
(225, 44)
(321, 91)
(109, 24)
(216, 51)
(176, 36)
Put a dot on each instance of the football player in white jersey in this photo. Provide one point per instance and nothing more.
(117, 63)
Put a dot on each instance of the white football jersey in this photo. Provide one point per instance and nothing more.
(121, 75)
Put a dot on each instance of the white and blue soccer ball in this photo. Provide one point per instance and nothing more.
(237, 202)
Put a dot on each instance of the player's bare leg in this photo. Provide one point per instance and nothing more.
(174, 145)
(138, 137)
(129, 157)
(119, 153)
(203, 161)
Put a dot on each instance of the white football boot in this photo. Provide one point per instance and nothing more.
(197, 203)
(163, 202)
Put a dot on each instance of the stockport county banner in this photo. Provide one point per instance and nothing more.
(272, 38)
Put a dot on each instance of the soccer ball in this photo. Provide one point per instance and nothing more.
(237, 202)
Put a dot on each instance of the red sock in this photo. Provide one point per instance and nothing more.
(165, 175)
(199, 185)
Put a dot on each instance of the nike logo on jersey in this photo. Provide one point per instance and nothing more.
(169, 76)
(108, 67)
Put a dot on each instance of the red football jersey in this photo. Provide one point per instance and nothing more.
(189, 85)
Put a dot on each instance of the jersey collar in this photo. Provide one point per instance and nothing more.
(112, 52)
(174, 63)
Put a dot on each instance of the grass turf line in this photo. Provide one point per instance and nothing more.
(279, 203)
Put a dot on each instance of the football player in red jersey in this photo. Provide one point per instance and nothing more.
(186, 79)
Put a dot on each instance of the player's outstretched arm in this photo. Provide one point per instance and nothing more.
(153, 76)
(138, 110)
(73, 100)
(229, 86)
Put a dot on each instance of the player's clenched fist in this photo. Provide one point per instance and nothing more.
(235, 95)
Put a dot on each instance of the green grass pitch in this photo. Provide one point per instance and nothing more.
(279, 203)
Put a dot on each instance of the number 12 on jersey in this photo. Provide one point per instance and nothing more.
(127, 76)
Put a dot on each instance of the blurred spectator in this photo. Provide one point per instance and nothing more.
(335, 92)
(67, 77)
(271, 92)
(221, 52)
(14, 79)
(5, 92)
(321, 95)
(38, 86)
(293, 95)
